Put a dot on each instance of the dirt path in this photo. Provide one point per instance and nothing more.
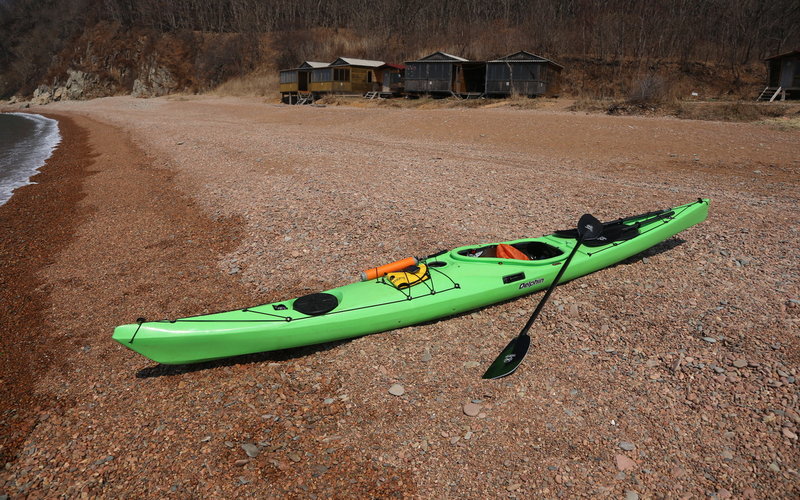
(204, 203)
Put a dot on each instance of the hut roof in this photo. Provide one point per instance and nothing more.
(349, 61)
(313, 64)
(442, 56)
(791, 53)
(525, 56)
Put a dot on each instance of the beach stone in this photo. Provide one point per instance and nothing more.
(710, 340)
(789, 434)
(625, 445)
(624, 463)
(242, 462)
(471, 364)
(397, 390)
(251, 450)
(426, 356)
(472, 409)
(318, 470)
(631, 495)
(740, 363)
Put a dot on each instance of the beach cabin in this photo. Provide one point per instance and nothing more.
(783, 77)
(391, 77)
(346, 75)
(441, 73)
(522, 73)
(296, 81)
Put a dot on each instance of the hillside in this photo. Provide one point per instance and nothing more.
(85, 49)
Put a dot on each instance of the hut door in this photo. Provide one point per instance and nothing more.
(787, 72)
(458, 80)
(302, 81)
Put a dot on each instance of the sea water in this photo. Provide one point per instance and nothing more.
(26, 142)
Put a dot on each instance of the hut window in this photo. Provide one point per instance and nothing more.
(438, 71)
(288, 76)
(498, 72)
(341, 74)
(321, 75)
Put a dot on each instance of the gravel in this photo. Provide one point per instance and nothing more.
(355, 187)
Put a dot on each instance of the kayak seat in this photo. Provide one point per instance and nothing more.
(533, 250)
(315, 304)
(536, 250)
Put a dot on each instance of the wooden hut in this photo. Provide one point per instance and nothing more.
(783, 77)
(442, 73)
(391, 77)
(522, 73)
(346, 76)
(296, 81)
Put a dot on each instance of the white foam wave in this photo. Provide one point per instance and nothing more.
(28, 155)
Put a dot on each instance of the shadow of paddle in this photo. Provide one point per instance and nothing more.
(160, 370)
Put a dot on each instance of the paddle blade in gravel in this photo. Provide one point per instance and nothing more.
(510, 358)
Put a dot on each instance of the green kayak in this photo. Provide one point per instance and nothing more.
(440, 285)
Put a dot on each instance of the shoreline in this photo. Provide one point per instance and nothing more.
(35, 158)
(84, 253)
(35, 222)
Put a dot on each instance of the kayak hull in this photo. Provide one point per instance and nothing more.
(458, 282)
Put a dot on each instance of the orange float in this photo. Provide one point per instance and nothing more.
(377, 272)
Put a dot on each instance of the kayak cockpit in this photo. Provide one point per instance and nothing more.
(528, 250)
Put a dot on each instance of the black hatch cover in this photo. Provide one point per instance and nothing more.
(315, 304)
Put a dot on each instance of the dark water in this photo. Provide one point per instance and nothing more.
(26, 141)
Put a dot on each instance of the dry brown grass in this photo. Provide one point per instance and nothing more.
(259, 84)
(427, 102)
(784, 115)
(736, 111)
(784, 122)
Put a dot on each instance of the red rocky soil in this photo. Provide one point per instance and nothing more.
(672, 374)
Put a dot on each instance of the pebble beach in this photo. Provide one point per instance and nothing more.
(672, 374)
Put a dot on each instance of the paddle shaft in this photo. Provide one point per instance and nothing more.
(552, 287)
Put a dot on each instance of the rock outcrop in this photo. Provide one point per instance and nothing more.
(154, 81)
(79, 85)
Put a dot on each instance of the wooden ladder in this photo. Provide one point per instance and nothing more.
(770, 93)
(305, 98)
(371, 95)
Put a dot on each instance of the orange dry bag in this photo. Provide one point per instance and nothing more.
(377, 272)
(508, 252)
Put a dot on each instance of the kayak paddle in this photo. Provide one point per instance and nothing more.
(589, 228)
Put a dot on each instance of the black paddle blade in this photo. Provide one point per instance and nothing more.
(589, 228)
(510, 358)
